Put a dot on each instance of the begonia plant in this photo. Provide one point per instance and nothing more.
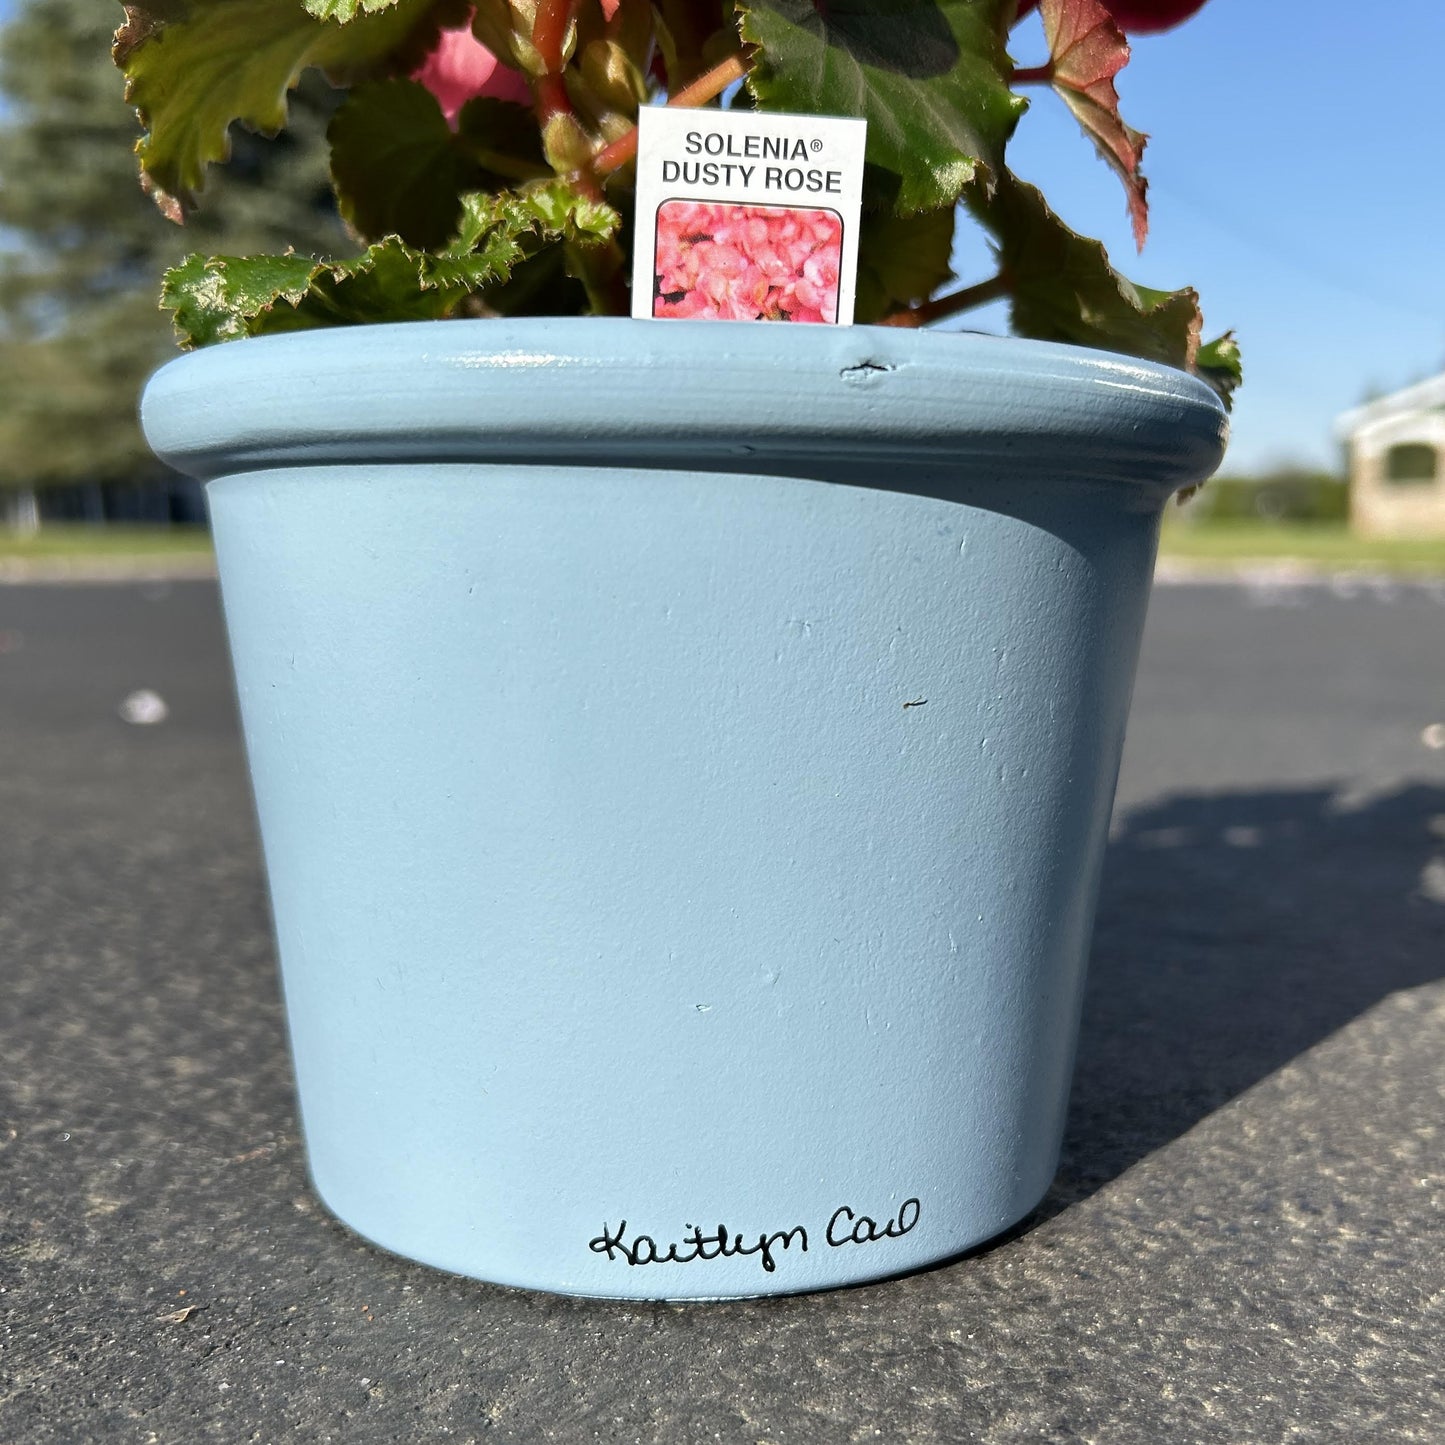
(483, 155)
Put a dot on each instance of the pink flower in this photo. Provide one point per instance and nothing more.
(746, 263)
(460, 68)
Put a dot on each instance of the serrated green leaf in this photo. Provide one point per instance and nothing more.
(212, 298)
(193, 67)
(1220, 365)
(221, 298)
(553, 211)
(397, 166)
(343, 11)
(584, 231)
(902, 260)
(930, 76)
(1064, 289)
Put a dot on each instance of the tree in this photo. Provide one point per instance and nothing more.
(80, 326)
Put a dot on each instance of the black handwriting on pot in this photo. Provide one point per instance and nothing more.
(845, 1227)
(696, 1245)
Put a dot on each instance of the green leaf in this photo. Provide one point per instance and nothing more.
(930, 76)
(1064, 289)
(553, 211)
(213, 298)
(195, 66)
(221, 298)
(902, 260)
(502, 138)
(343, 10)
(1220, 365)
(396, 165)
(540, 286)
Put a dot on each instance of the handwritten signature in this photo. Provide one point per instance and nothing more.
(845, 1227)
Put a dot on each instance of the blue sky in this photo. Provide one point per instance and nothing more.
(1296, 155)
(1297, 168)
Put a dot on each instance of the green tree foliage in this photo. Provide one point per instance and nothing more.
(1285, 494)
(84, 249)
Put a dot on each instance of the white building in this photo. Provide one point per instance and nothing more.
(1397, 462)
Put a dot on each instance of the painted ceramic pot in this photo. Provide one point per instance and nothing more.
(683, 755)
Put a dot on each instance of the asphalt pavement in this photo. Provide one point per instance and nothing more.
(1246, 1240)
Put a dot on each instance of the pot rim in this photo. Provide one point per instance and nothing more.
(796, 400)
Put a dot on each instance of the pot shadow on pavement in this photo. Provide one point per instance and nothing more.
(1235, 931)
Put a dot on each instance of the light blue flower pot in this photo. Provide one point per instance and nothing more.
(683, 754)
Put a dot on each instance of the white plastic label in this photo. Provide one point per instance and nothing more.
(744, 216)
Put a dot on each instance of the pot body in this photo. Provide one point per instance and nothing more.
(683, 877)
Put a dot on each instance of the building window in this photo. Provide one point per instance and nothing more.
(1411, 463)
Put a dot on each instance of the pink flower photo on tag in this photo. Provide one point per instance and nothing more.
(720, 262)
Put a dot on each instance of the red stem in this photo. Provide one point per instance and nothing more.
(549, 31)
(706, 87)
(551, 95)
(1035, 75)
(616, 155)
(951, 304)
(549, 90)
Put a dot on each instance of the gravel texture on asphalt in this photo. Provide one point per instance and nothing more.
(1246, 1240)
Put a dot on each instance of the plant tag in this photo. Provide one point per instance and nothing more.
(746, 216)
